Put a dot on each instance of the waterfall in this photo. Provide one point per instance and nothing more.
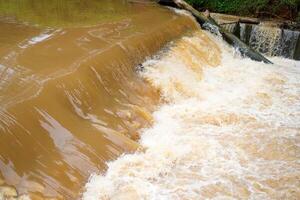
(268, 40)
(70, 97)
(137, 102)
(289, 42)
(230, 27)
(228, 129)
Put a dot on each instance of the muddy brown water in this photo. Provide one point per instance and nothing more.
(70, 97)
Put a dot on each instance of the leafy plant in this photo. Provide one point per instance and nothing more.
(250, 7)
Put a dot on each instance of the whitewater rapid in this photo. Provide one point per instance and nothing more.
(228, 128)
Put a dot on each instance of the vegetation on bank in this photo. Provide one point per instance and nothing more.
(285, 9)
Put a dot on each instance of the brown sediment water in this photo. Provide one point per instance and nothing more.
(70, 97)
(137, 102)
(228, 129)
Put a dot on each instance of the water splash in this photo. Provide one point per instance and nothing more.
(70, 96)
(230, 27)
(225, 132)
(268, 40)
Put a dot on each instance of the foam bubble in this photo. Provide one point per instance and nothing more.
(225, 132)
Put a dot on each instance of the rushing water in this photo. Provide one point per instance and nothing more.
(268, 40)
(229, 129)
(70, 98)
(84, 93)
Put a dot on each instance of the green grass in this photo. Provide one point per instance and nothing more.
(285, 8)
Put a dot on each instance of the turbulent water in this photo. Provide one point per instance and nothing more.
(229, 129)
(267, 39)
(70, 97)
(90, 109)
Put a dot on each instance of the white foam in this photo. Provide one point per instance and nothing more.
(235, 134)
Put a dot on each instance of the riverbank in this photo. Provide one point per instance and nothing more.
(263, 9)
